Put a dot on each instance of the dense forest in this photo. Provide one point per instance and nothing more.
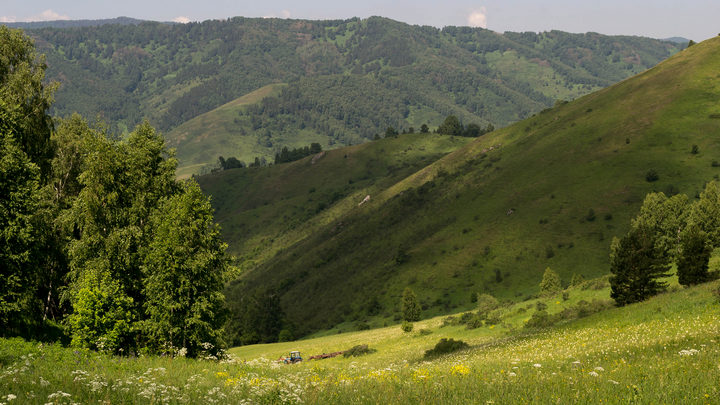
(348, 79)
(101, 245)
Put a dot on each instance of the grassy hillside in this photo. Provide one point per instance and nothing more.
(347, 80)
(552, 192)
(660, 351)
(205, 137)
(263, 210)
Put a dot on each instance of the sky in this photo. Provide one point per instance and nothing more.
(692, 19)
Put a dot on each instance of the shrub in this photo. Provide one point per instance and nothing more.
(465, 318)
(424, 332)
(566, 295)
(540, 319)
(540, 306)
(445, 346)
(652, 175)
(485, 304)
(551, 283)
(694, 150)
(449, 321)
(474, 323)
(358, 350)
(406, 326)
(285, 336)
(362, 325)
(492, 320)
(590, 215)
(577, 279)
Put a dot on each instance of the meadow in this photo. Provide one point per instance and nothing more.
(664, 350)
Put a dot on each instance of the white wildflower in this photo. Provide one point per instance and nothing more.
(690, 352)
(10, 397)
(511, 374)
(614, 382)
(599, 369)
(594, 374)
(537, 365)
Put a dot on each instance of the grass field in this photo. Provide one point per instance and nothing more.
(665, 350)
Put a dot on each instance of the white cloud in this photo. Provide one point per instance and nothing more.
(181, 20)
(48, 15)
(478, 18)
(8, 19)
(282, 14)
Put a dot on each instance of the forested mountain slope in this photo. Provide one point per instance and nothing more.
(550, 191)
(347, 80)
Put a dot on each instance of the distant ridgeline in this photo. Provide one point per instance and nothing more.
(347, 79)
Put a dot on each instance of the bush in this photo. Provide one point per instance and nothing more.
(652, 175)
(285, 336)
(407, 326)
(449, 321)
(540, 319)
(362, 325)
(445, 346)
(492, 320)
(474, 323)
(465, 318)
(424, 332)
(590, 215)
(485, 304)
(358, 350)
(566, 295)
(551, 283)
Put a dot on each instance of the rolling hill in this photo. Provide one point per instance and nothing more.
(346, 79)
(549, 191)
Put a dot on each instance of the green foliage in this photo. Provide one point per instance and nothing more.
(358, 350)
(406, 326)
(636, 265)
(705, 213)
(285, 155)
(445, 346)
(651, 176)
(451, 126)
(692, 262)
(666, 217)
(25, 153)
(410, 307)
(540, 319)
(19, 180)
(551, 283)
(577, 280)
(285, 336)
(185, 269)
(340, 91)
(485, 304)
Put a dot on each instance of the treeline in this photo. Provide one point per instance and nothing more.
(234, 163)
(285, 155)
(101, 245)
(667, 230)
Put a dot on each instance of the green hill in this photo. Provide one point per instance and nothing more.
(552, 192)
(347, 79)
(205, 137)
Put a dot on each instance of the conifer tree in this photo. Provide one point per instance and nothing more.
(636, 264)
(551, 283)
(410, 306)
(695, 251)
